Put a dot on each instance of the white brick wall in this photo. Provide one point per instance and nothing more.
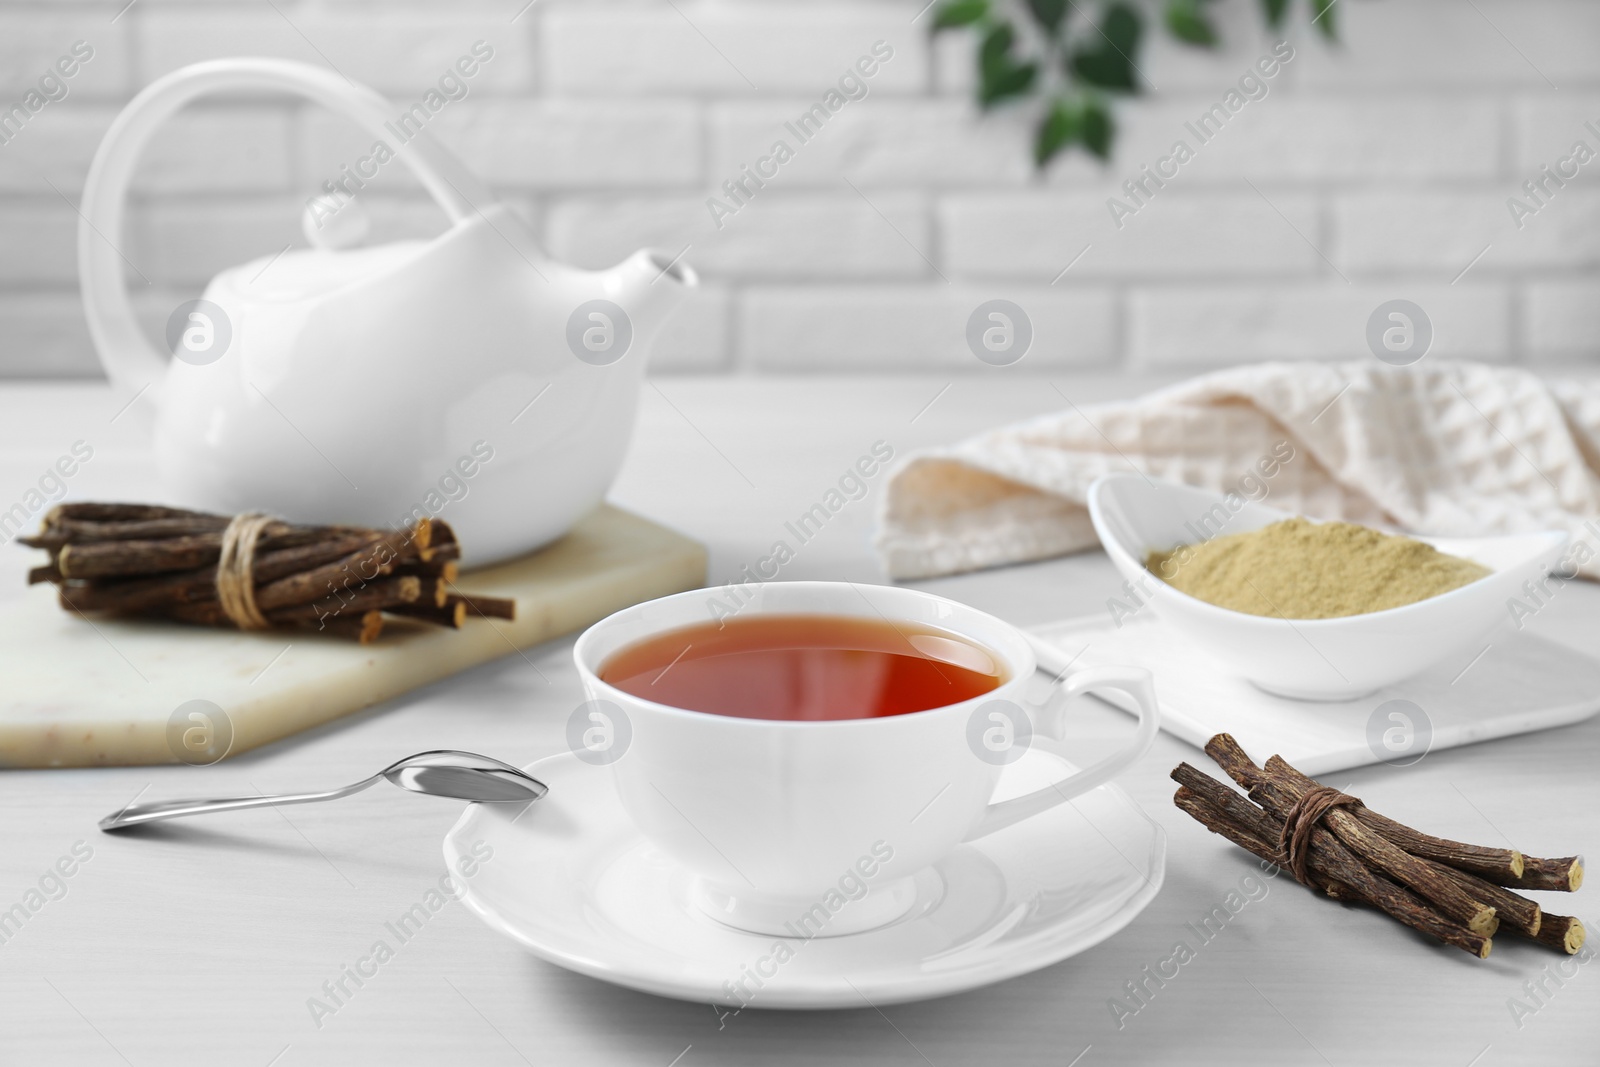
(1186, 327)
(725, 49)
(915, 328)
(816, 236)
(1372, 170)
(1180, 234)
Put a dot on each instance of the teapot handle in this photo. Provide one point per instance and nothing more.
(132, 363)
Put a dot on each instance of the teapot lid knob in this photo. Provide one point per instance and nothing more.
(333, 223)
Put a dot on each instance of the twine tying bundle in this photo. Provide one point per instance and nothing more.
(236, 585)
(1302, 817)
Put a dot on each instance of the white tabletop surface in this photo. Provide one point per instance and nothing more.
(203, 943)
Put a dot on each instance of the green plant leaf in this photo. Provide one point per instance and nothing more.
(999, 74)
(1122, 27)
(1011, 80)
(1188, 22)
(1106, 61)
(953, 13)
(994, 51)
(1060, 127)
(1275, 10)
(1098, 129)
(1322, 18)
(1048, 13)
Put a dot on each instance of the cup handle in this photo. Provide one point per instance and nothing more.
(1137, 683)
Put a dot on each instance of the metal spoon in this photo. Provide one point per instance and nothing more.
(442, 773)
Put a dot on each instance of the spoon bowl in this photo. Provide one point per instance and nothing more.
(464, 776)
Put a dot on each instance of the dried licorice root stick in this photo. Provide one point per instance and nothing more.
(1514, 912)
(96, 512)
(1493, 864)
(64, 531)
(1561, 932)
(1564, 875)
(453, 615)
(490, 607)
(378, 558)
(1362, 886)
(1278, 796)
(110, 559)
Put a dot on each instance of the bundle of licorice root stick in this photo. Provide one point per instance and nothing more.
(1460, 894)
(253, 572)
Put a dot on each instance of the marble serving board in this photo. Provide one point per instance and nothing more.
(77, 692)
(1507, 683)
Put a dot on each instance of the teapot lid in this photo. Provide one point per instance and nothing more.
(310, 273)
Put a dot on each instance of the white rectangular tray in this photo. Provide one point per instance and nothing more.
(1518, 684)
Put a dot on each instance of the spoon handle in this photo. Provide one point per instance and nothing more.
(134, 814)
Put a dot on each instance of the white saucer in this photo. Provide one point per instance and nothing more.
(572, 880)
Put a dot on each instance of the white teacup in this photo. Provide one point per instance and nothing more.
(817, 828)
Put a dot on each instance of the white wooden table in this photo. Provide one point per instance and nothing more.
(202, 943)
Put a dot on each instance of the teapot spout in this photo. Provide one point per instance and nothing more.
(649, 285)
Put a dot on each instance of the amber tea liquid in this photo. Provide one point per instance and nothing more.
(805, 668)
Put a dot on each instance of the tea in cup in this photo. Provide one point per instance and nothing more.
(807, 756)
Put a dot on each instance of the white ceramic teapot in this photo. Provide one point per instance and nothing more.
(467, 377)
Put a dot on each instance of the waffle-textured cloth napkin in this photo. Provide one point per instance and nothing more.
(1447, 449)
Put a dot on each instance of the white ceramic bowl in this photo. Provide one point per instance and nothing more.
(1308, 659)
